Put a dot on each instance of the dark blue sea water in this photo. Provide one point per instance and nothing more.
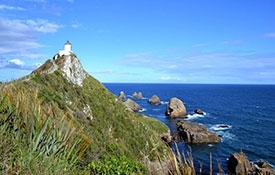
(249, 111)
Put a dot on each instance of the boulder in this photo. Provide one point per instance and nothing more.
(167, 137)
(262, 168)
(137, 95)
(198, 111)
(121, 96)
(238, 164)
(194, 133)
(132, 105)
(154, 100)
(175, 108)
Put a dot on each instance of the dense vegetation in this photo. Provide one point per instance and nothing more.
(50, 126)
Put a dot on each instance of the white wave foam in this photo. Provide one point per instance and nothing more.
(164, 102)
(194, 116)
(220, 127)
(226, 135)
(142, 110)
(157, 109)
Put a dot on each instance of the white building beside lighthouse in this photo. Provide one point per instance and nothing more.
(67, 49)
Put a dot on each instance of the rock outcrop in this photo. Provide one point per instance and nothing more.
(154, 100)
(167, 137)
(72, 69)
(175, 108)
(198, 111)
(121, 96)
(70, 66)
(194, 133)
(132, 105)
(137, 95)
(238, 164)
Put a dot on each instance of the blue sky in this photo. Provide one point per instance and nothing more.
(143, 41)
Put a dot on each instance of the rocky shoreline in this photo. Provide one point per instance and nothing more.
(193, 133)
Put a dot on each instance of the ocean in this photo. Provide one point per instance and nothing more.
(248, 110)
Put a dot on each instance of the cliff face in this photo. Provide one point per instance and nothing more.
(60, 111)
(69, 65)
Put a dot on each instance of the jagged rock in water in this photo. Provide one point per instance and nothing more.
(137, 95)
(132, 105)
(175, 108)
(121, 96)
(238, 164)
(198, 111)
(194, 133)
(154, 100)
(167, 137)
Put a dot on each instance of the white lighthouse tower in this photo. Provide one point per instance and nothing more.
(67, 49)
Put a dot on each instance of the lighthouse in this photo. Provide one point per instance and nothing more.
(67, 49)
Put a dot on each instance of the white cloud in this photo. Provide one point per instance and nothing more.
(75, 25)
(109, 72)
(6, 7)
(169, 78)
(19, 37)
(207, 67)
(43, 26)
(16, 62)
(232, 42)
(39, 1)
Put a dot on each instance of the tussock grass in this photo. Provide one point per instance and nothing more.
(43, 129)
(33, 134)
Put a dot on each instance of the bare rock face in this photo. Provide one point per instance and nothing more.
(167, 137)
(175, 108)
(70, 66)
(137, 95)
(121, 96)
(238, 164)
(132, 105)
(73, 70)
(194, 133)
(262, 168)
(154, 100)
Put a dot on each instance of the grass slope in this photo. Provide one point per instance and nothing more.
(50, 126)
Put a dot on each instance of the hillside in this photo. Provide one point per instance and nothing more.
(60, 120)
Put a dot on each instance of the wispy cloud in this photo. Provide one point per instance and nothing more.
(232, 42)
(169, 78)
(239, 66)
(6, 7)
(39, 1)
(113, 72)
(269, 35)
(42, 25)
(20, 36)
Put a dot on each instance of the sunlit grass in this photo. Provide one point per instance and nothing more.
(43, 125)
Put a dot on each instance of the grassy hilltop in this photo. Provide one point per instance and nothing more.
(49, 125)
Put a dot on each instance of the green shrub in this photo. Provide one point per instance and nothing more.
(116, 165)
